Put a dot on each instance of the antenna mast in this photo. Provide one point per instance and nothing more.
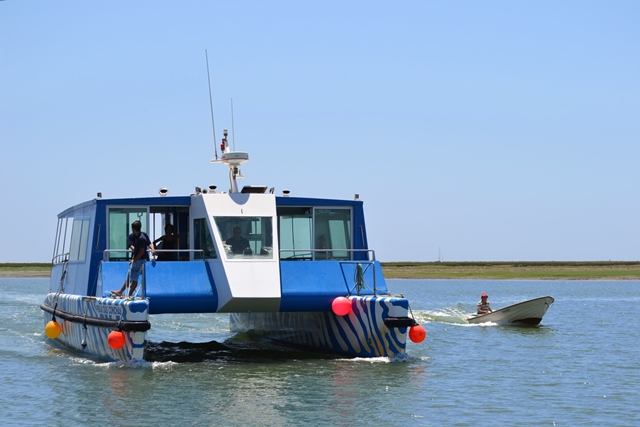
(233, 159)
(233, 131)
(211, 105)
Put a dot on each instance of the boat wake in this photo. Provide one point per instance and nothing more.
(455, 315)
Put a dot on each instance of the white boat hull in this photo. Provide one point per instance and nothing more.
(528, 312)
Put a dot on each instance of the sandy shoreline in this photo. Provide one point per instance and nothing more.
(20, 274)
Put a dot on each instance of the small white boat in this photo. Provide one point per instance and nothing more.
(528, 312)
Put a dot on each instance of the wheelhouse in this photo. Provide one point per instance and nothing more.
(303, 229)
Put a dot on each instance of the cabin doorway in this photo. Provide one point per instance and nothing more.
(153, 220)
(178, 218)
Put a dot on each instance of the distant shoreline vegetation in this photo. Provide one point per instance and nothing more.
(494, 270)
(32, 269)
(508, 270)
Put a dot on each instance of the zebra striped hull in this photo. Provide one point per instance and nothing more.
(362, 332)
(78, 334)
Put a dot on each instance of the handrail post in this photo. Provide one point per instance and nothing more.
(143, 285)
(375, 287)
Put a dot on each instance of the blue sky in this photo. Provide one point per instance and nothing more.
(493, 130)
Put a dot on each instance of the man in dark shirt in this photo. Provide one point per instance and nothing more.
(138, 241)
(238, 243)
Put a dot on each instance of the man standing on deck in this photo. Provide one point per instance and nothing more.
(138, 241)
(483, 305)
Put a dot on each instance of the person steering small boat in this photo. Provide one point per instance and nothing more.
(483, 305)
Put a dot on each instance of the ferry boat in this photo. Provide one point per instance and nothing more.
(307, 278)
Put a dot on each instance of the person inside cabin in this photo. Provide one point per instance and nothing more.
(138, 241)
(169, 242)
(322, 243)
(239, 245)
(483, 305)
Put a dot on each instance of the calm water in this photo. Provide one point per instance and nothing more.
(579, 368)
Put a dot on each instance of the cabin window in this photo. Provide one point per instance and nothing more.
(246, 237)
(72, 239)
(63, 237)
(295, 225)
(120, 220)
(79, 238)
(332, 231)
(202, 240)
(308, 233)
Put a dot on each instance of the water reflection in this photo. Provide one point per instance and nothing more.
(342, 395)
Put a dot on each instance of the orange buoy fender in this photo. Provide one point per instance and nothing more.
(116, 340)
(52, 329)
(417, 333)
(341, 306)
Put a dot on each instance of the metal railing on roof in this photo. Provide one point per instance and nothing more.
(325, 254)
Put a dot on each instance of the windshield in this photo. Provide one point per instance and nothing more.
(246, 237)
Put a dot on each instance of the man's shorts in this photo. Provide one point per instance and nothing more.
(136, 268)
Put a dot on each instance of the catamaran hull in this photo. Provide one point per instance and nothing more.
(361, 333)
(526, 312)
(87, 322)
